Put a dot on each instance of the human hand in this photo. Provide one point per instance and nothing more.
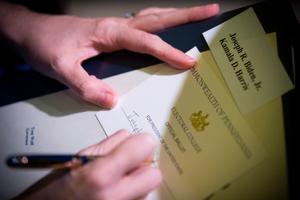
(120, 174)
(57, 45)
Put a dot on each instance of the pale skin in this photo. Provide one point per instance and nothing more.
(57, 45)
(119, 174)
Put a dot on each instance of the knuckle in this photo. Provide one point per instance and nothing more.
(157, 19)
(60, 64)
(96, 178)
(106, 32)
(58, 61)
(107, 22)
(107, 26)
(100, 175)
(154, 16)
(155, 38)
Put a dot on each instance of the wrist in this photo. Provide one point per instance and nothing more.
(16, 22)
(54, 186)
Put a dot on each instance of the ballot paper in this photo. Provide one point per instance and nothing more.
(204, 142)
(250, 66)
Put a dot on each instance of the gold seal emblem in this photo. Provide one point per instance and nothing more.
(199, 121)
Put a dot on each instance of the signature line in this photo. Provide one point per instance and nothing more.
(127, 117)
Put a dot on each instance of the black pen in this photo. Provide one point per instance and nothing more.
(55, 161)
(59, 161)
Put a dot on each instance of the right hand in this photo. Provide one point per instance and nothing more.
(119, 175)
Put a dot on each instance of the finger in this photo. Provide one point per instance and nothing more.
(106, 146)
(132, 152)
(142, 198)
(138, 184)
(153, 10)
(158, 21)
(88, 87)
(140, 41)
(129, 155)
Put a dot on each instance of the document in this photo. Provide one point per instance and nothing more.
(205, 143)
(57, 115)
(250, 66)
(58, 123)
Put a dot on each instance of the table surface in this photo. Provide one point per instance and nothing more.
(24, 83)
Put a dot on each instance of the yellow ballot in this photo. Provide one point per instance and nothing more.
(250, 66)
(268, 180)
(205, 143)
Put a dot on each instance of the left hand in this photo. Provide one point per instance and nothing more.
(57, 45)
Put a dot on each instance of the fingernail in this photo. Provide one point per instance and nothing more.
(215, 6)
(108, 100)
(191, 61)
(115, 100)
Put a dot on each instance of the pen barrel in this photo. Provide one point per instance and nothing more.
(49, 161)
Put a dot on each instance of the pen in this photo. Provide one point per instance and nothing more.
(48, 161)
(60, 161)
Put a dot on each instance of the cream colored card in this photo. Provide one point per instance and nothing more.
(204, 141)
(268, 180)
(249, 65)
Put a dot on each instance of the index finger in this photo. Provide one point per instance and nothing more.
(130, 154)
(104, 147)
(161, 20)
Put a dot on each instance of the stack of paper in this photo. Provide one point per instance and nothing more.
(205, 141)
(219, 124)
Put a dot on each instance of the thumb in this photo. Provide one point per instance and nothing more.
(89, 87)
